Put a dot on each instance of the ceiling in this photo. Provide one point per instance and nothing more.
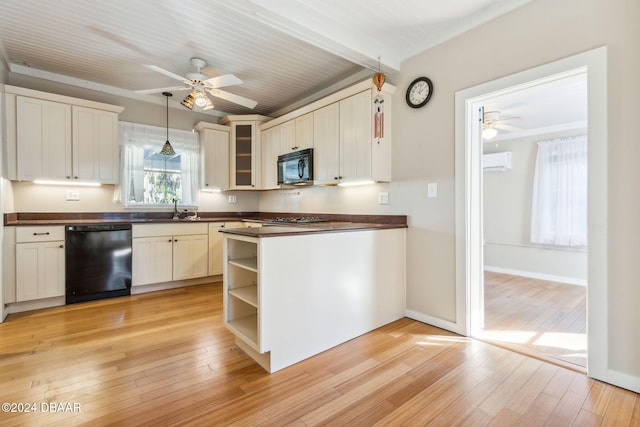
(286, 52)
(554, 104)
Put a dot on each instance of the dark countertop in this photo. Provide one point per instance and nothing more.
(271, 230)
(336, 222)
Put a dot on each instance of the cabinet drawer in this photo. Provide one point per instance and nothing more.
(39, 234)
(169, 229)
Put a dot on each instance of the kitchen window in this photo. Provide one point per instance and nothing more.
(151, 179)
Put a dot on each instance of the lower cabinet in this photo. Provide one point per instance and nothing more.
(160, 257)
(39, 263)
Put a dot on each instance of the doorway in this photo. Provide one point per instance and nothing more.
(469, 223)
(534, 290)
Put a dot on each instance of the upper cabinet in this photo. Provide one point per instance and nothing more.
(214, 150)
(341, 128)
(60, 138)
(244, 151)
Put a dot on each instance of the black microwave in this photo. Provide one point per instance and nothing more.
(296, 168)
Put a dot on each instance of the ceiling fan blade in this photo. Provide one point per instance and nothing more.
(168, 74)
(162, 89)
(237, 99)
(508, 128)
(222, 81)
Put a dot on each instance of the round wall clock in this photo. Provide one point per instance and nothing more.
(419, 92)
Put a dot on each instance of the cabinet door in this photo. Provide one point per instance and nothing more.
(216, 240)
(326, 142)
(215, 156)
(288, 141)
(43, 132)
(244, 156)
(190, 256)
(304, 131)
(270, 141)
(95, 145)
(355, 137)
(39, 270)
(152, 260)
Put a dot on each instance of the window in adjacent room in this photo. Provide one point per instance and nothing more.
(559, 206)
(152, 179)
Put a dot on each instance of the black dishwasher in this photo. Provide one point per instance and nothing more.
(98, 261)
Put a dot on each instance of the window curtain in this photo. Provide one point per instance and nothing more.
(559, 205)
(135, 138)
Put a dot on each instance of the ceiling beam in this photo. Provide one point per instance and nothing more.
(364, 55)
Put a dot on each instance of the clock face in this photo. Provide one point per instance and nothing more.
(419, 92)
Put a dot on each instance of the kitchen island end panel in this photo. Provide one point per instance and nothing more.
(311, 292)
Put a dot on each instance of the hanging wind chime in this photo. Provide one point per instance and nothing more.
(378, 105)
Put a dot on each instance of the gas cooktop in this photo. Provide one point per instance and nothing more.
(296, 219)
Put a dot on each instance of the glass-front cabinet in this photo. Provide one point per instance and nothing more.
(244, 170)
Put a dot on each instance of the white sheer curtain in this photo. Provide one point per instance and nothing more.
(559, 205)
(136, 138)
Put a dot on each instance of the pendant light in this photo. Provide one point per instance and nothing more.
(167, 149)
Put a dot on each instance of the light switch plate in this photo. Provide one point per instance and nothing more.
(432, 189)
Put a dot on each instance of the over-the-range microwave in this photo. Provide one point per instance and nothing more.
(296, 168)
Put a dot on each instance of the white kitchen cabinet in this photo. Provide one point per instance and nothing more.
(356, 138)
(60, 138)
(282, 312)
(169, 252)
(95, 151)
(244, 151)
(304, 132)
(43, 132)
(40, 266)
(288, 142)
(326, 144)
(214, 150)
(270, 150)
(190, 256)
(152, 260)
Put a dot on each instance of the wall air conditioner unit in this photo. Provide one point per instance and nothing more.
(496, 161)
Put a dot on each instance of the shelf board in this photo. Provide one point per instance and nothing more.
(248, 294)
(246, 263)
(247, 328)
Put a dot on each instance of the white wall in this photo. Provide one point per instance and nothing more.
(507, 219)
(538, 33)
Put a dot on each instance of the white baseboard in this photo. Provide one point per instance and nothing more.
(434, 321)
(535, 275)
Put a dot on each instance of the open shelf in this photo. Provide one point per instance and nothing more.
(246, 327)
(250, 264)
(248, 294)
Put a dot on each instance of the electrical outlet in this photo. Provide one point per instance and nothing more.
(383, 198)
(233, 198)
(73, 195)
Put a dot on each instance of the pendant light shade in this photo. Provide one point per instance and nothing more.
(167, 149)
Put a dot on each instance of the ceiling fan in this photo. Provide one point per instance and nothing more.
(491, 123)
(201, 86)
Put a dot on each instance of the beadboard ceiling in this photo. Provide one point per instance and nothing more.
(286, 52)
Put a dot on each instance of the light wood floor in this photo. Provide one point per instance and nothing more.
(165, 359)
(537, 317)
